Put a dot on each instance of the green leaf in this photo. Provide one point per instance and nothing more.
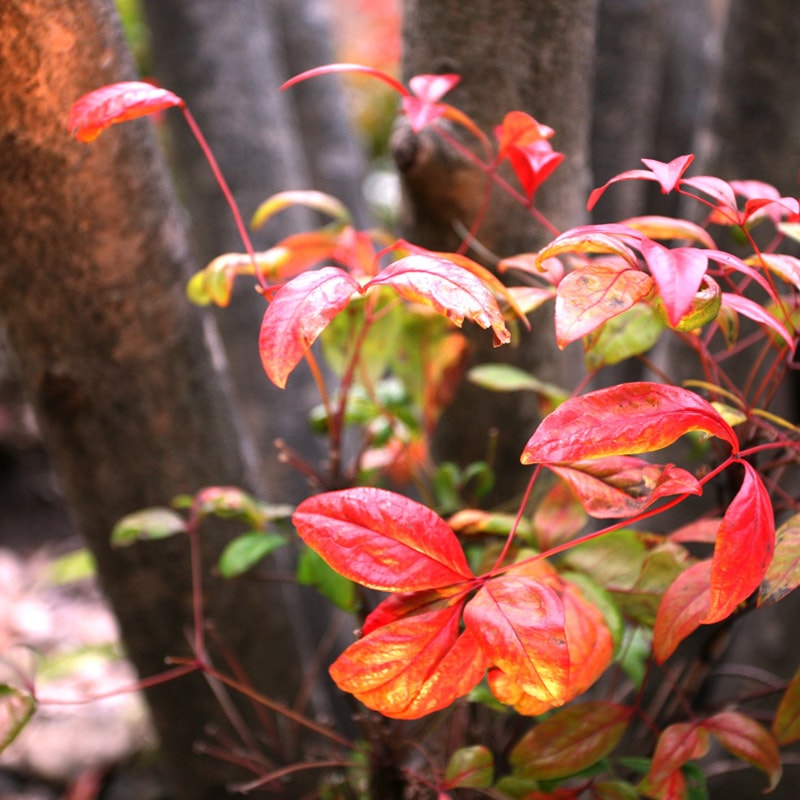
(72, 567)
(614, 790)
(313, 571)
(570, 740)
(470, 767)
(508, 378)
(16, 709)
(786, 725)
(783, 572)
(245, 551)
(630, 334)
(149, 523)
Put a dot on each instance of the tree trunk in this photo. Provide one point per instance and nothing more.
(122, 372)
(512, 55)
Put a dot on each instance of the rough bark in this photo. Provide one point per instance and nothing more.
(121, 371)
(513, 55)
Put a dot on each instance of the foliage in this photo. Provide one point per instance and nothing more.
(570, 609)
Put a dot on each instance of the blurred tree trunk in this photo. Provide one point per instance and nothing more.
(123, 374)
(512, 55)
(228, 61)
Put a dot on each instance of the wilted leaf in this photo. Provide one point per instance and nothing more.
(470, 767)
(623, 419)
(683, 609)
(744, 547)
(783, 572)
(745, 738)
(412, 666)
(622, 486)
(570, 740)
(589, 296)
(245, 551)
(382, 540)
(452, 290)
(150, 523)
(117, 102)
(297, 315)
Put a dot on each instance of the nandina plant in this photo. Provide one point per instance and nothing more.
(569, 610)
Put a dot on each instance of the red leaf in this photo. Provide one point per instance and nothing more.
(683, 609)
(329, 69)
(413, 666)
(620, 420)
(298, 313)
(727, 212)
(783, 573)
(744, 548)
(452, 290)
(677, 744)
(621, 486)
(667, 175)
(744, 738)
(569, 741)
(533, 164)
(678, 272)
(94, 112)
(754, 311)
(519, 129)
(518, 623)
(432, 88)
(590, 296)
(382, 540)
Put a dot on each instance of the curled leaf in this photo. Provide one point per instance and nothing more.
(94, 112)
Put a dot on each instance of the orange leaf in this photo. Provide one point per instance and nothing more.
(744, 548)
(518, 623)
(621, 486)
(786, 725)
(683, 609)
(589, 296)
(298, 313)
(412, 666)
(94, 112)
(382, 540)
(623, 419)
